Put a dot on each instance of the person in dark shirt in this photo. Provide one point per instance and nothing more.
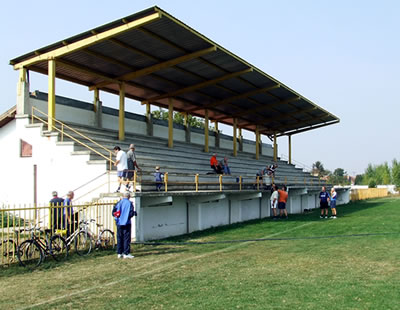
(324, 202)
(56, 211)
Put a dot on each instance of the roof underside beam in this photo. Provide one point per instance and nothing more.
(159, 66)
(237, 97)
(81, 44)
(258, 109)
(296, 131)
(199, 85)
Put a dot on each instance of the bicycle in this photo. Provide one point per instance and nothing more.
(32, 252)
(9, 248)
(83, 238)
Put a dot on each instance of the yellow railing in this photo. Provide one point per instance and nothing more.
(171, 182)
(15, 222)
(62, 131)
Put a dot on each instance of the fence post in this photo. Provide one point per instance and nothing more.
(196, 181)
(240, 183)
(166, 181)
(62, 132)
(285, 180)
(220, 182)
(258, 183)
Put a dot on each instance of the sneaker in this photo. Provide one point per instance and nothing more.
(334, 217)
(321, 217)
(119, 255)
(127, 256)
(117, 191)
(326, 216)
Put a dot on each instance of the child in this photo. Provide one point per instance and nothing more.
(159, 178)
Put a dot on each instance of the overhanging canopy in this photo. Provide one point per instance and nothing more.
(158, 57)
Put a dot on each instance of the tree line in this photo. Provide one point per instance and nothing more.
(383, 174)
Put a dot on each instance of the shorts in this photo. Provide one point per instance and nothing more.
(333, 204)
(323, 205)
(122, 174)
(281, 205)
(273, 205)
(130, 174)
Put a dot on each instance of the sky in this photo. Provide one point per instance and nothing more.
(342, 55)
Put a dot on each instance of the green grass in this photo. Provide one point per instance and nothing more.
(332, 273)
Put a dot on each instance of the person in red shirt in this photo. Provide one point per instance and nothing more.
(282, 200)
(215, 165)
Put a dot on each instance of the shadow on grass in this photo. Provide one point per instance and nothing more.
(141, 251)
(311, 216)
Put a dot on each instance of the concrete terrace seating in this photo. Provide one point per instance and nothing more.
(186, 160)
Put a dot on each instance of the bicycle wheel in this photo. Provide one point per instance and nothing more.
(8, 250)
(83, 243)
(29, 254)
(106, 240)
(58, 248)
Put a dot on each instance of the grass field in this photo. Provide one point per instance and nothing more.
(358, 272)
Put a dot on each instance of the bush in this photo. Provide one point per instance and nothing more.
(372, 184)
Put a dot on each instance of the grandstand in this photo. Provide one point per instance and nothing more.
(154, 58)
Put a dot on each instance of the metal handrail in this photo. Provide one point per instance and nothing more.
(111, 162)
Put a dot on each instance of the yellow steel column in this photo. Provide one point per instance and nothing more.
(170, 123)
(206, 130)
(216, 126)
(234, 137)
(290, 149)
(275, 148)
(52, 93)
(185, 119)
(121, 127)
(257, 143)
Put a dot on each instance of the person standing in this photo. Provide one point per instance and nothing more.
(159, 178)
(56, 211)
(132, 164)
(323, 202)
(68, 212)
(121, 163)
(282, 200)
(333, 203)
(123, 211)
(274, 200)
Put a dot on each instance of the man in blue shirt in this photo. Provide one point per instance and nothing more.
(123, 211)
(324, 200)
(68, 213)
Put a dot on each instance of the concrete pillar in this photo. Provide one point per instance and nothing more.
(217, 136)
(240, 140)
(149, 120)
(187, 127)
(23, 106)
(98, 109)
(170, 123)
(206, 124)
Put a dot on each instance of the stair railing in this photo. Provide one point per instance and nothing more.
(62, 131)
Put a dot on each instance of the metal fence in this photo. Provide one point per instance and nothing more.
(16, 223)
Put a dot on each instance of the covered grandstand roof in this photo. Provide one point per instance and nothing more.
(158, 57)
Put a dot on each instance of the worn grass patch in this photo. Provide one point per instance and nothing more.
(361, 272)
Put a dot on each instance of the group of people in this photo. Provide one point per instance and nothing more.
(327, 199)
(221, 166)
(268, 171)
(62, 211)
(126, 166)
(278, 200)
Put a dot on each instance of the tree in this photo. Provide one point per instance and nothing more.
(318, 169)
(359, 179)
(179, 118)
(396, 173)
(339, 176)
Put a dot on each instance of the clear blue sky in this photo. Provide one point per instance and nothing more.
(342, 55)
